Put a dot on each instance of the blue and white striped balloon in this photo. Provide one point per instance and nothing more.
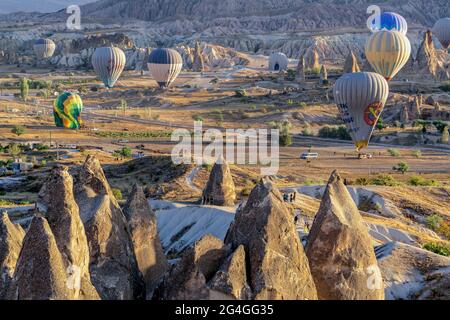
(165, 65)
(390, 21)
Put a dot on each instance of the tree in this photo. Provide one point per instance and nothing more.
(445, 135)
(401, 167)
(24, 88)
(123, 106)
(18, 130)
(14, 150)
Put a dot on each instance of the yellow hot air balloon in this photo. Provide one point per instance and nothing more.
(387, 52)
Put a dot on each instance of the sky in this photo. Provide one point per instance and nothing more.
(8, 6)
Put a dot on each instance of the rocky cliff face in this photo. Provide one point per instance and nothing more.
(276, 263)
(113, 266)
(56, 201)
(40, 272)
(144, 233)
(220, 190)
(11, 238)
(340, 250)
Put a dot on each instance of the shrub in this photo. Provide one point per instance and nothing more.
(417, 153)
(419, 181)
(434, 222)
(18, 130)
(401, 167)
(240, 93)
(384, 180)
(445, 86)
(196, 117)
(339, 132)
(362, 181)
(117, 193)
(394, 152)
(438, 248)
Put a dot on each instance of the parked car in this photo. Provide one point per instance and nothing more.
(309, 155)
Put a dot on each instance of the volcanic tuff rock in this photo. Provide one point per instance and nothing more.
(340, 250)
(351, 63)
(312, 60)
(220, 190)
(188, 279)
(56, 201)
(40, 273)
(413, 273)
(144, 233)
(300, 73)
(277, 265)
(113, 265)
(11, 238)
(323, 75)
(231, 278)
(198, 64)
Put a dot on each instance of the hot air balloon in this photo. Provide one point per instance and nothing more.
(442, 31)
(67, 110)
(109, 63)
(390, 21)
(44, 48)
(278, 61)
(387, 52)
(165, 65)
(360, 97)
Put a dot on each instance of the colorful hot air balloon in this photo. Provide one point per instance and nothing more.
(360, 97)
(44, 48)
(442, 31)
(390, 21)
(165, 65)
(67, 110)
(278, 61)
(109, 63)
(387, 52)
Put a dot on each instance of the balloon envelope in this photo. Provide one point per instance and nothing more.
(108, 63)
(390, 21)
(165, 65)
(361, 97)
(67, 110)
(387, 52)
(442, 31)
(44, 48)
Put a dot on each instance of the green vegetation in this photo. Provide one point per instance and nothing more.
(434, 222)
(384, 180)
(401, 167)
(339, 132)
(117, 193)
(196, 117)
(240, 93)
(285, 132)
(438, 248)
(445, 86)
(394, 152)
(124, 152)
(417, 153)
(24, 89)
(129, 134)
(419, 181)
(18, 130)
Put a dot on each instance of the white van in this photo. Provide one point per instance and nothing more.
(309, 155)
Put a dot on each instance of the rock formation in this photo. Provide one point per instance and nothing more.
(113, 265)
(231, 278)
(404, 115)
(277, 265)
(11, 238)
(340, 250)
(426, 55)
(198, 65)
(188, 279)
(40, 273)
(56, 201)
(323, 75)
(411, 273)
(220, 190)
(351, 63)
(300, 73)
(312, 60)
(144, 233)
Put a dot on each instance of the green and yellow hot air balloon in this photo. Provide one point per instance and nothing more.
(67, 110)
